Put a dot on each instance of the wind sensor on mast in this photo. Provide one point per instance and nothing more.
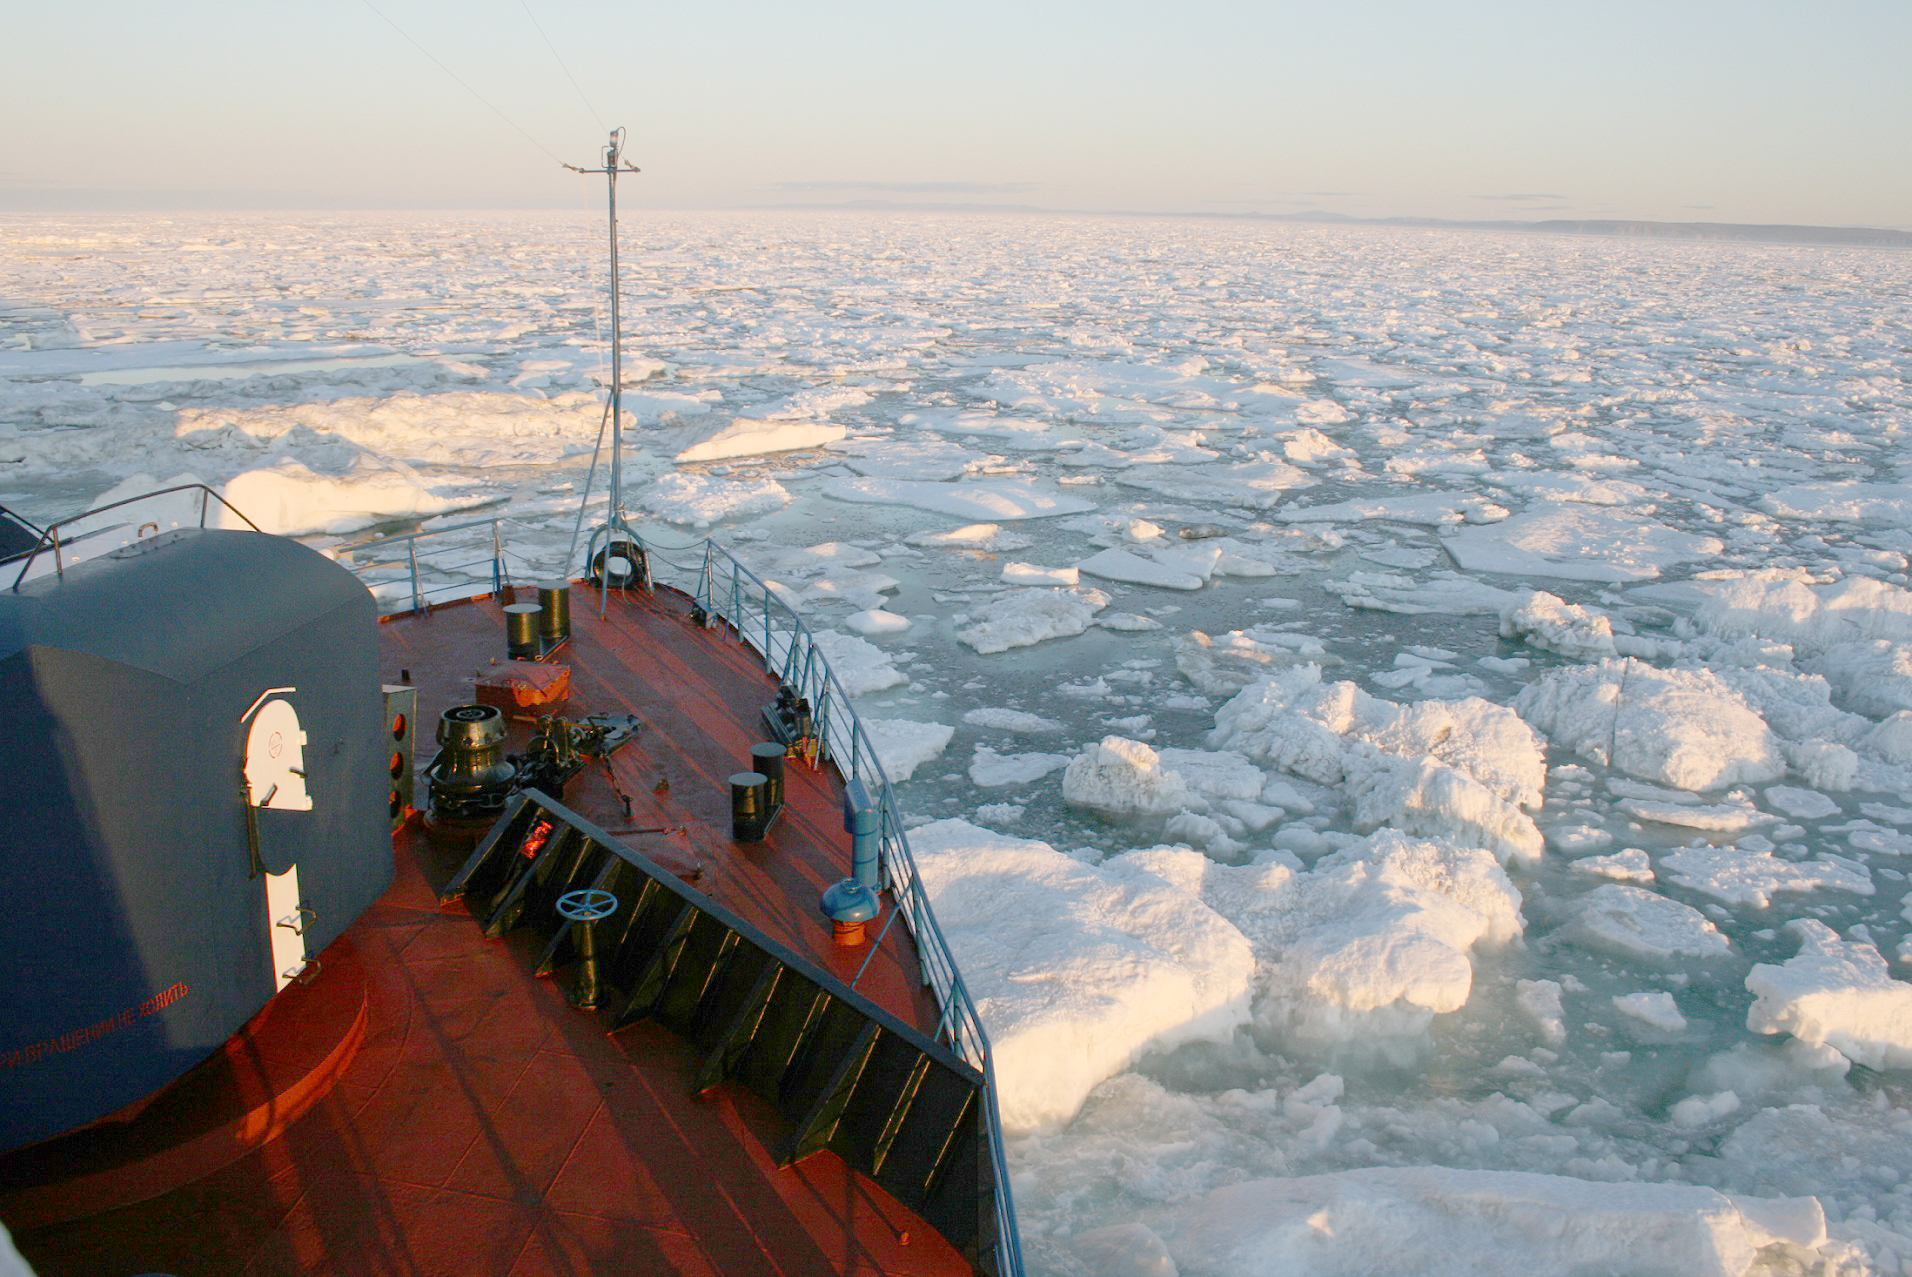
(620, 558)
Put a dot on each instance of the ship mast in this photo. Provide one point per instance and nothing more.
(614, 529)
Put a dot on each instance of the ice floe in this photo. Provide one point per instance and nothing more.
(1835, 993)
(1025, 617)
(1578, 542)
(1076, 969)
(1636, 923)
(970, 499)
(903, 745)
(1439, 1222)
(1684, 728)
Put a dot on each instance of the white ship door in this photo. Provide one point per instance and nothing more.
(275, 781)
(275, 756)
(286, 915)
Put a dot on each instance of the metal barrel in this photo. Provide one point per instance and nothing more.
(554, 627)
(749, 806)
(768, 759)
(521, 630)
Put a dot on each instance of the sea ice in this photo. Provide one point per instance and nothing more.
(1440, 768)
(1383, 927)
(1584, 543)
(929, 460)
(1541, 1001)
(1684, 728)
(1740, 876)
(1636, 923)
(1123, 777)
(876, 621)
(1433, 508)
(1076, 969)
(1836, 993)
(1870, 677)
(746, 438)
(1872, 504)
(701, 500)
(1030, 574)
(1011, 720)
(1654, 1008)
(860, 666)
(902, 745)
(1802, 804)
(1251, 484)
(1120, 565)
(1735, 815)
(1446, 593)
(1430, 1221)
(1778, 605)
(967, 499)
(291, 499)
(1225, 664)
(989, 769)
(1547, 621)
(1630, 865)
(985, 537)
(1025, 617)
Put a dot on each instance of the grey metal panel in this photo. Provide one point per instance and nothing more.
(247, 590)
(125, 869)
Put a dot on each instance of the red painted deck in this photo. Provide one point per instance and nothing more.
(481, 1124)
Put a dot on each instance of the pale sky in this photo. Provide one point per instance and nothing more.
(1681, 110)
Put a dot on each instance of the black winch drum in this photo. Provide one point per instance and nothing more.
(749, 806)
(521, 630)
(554, 627)
(767, 758)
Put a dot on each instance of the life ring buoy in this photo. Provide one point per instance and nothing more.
(619, 565)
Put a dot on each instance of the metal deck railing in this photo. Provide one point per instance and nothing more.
(728, 592)
(59, 538)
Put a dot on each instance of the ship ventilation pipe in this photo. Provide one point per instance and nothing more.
(749, 806)
(849, 906)
(521, 630)
(768, 759)
(862, 821)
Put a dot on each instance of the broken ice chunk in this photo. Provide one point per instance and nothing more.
(1742, 876)
(1835, 992)
(1030, 574)
(1636, 923)
(1679, 727)
(1655, 1009)
(1631, 865)
(1076, 969)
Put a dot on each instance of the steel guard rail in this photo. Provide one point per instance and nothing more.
(726, 590)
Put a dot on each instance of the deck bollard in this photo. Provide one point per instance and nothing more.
(767, 758)
(554, 626)
(749, 806)
(521, 630)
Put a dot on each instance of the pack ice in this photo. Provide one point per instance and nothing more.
(1076, 969)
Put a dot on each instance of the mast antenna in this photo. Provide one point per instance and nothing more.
(615, 529)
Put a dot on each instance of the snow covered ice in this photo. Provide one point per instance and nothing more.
(1443, 701)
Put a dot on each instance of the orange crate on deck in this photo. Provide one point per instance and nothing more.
(525, 690)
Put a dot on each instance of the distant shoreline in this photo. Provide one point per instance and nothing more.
(1618, 228)
(1614, 228)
